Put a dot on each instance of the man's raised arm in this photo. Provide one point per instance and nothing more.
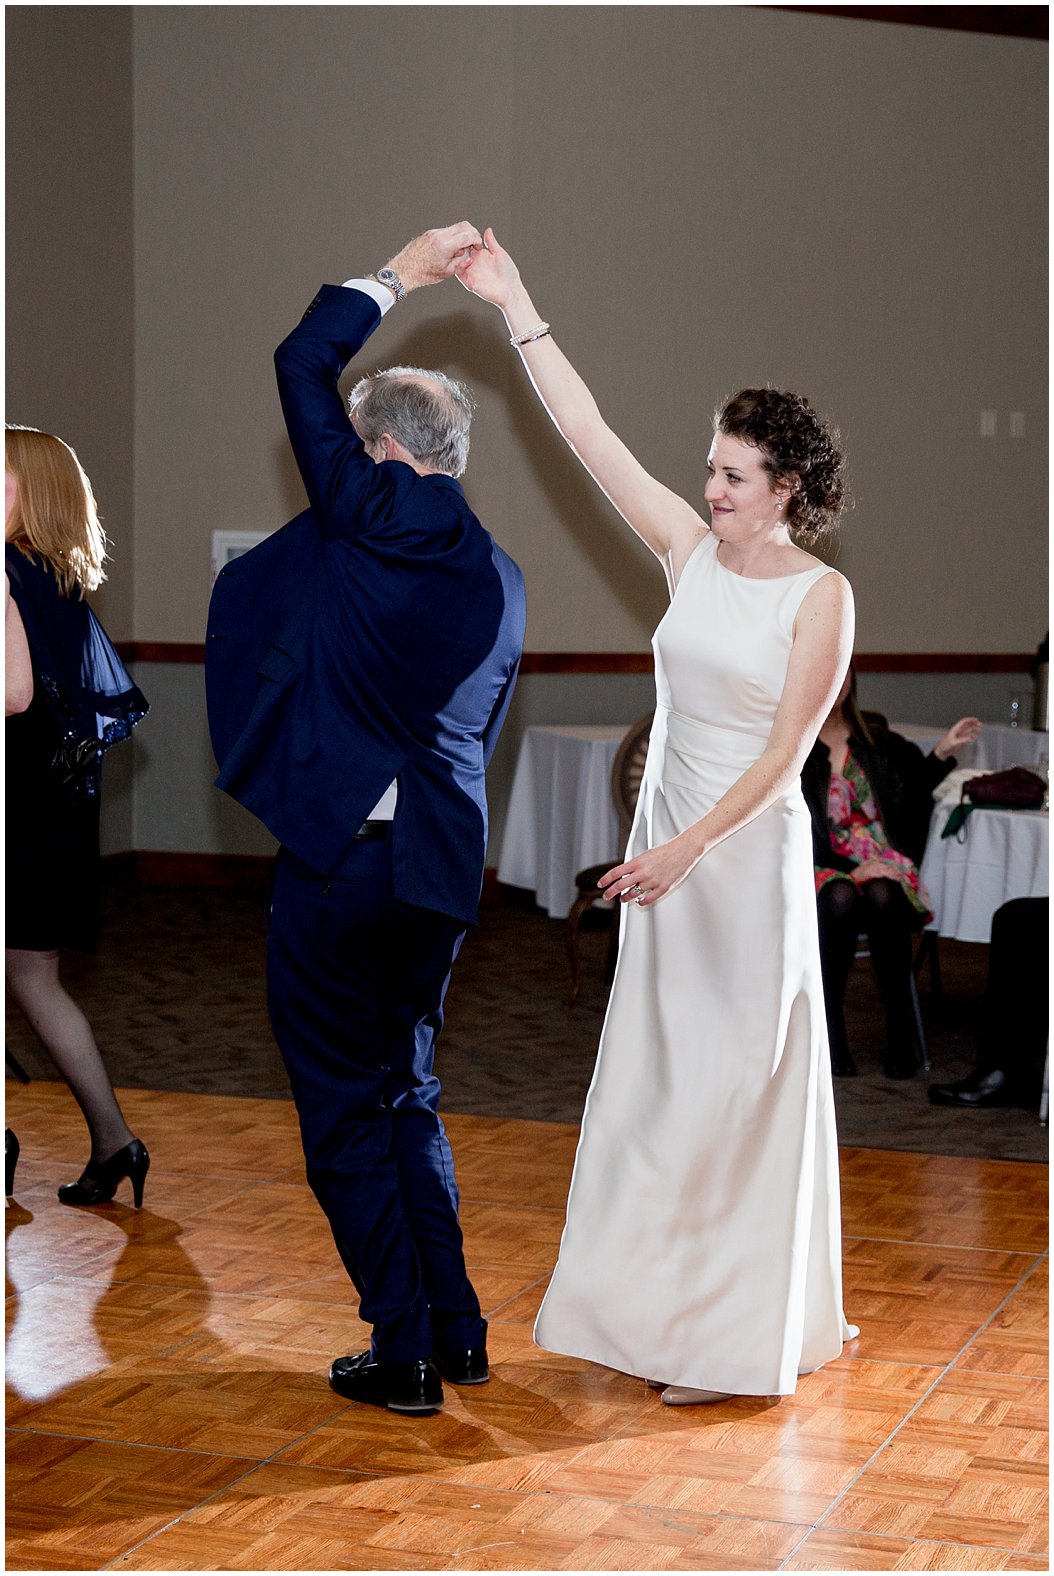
(340, 477)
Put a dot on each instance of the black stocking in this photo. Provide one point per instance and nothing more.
(890, 921)
(65, 1033)
(839, 911)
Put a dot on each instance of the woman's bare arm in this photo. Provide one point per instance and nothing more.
(662, 519)
(18, 669)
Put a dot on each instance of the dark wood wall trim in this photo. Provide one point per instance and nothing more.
(587, 662)
(641, 661)
(161, 651)
(864, 661)
(242, 872)
(943, 661)
(157, 868)
(1010, 21)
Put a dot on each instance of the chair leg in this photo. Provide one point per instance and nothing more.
(1044, 1098)
(16, 1066)
(574, 920)
(929, 952)
(919, 1027)
(613, 936)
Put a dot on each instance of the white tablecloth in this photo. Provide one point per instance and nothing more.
(998, 747)
(1005, 855)
(560, 818)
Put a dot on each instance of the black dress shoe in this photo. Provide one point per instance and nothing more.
(401, 1387)
(467, 1366)
(11, 1153)
(974, 1092)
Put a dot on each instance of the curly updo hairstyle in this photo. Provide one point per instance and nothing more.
(796, 447)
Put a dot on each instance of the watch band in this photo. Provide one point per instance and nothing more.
(388, 277)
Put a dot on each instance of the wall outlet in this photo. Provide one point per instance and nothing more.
(988, 424)
(1017, 424)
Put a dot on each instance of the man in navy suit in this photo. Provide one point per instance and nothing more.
(359, 666)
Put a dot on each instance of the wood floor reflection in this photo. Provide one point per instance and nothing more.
(168, 1407)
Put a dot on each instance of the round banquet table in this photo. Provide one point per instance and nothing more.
(560, 818)
(1004, 855)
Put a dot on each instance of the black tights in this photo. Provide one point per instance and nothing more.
(881, 911)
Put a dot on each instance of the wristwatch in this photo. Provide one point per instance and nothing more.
(388, 276)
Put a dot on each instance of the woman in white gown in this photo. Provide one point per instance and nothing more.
(703, 1238)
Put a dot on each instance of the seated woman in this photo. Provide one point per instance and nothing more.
(870, 793)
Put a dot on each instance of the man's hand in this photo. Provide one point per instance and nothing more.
(436, 255)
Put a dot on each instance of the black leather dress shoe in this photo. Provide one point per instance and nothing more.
(974, 1093)
(467, 1366)
(401, 1387)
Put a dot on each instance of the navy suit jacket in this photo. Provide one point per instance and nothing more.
(376, 636)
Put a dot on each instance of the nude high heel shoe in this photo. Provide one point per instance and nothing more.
(684, 1395)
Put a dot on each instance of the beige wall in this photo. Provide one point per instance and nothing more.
(700, 196)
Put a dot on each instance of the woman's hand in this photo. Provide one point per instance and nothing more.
(490, 272)
(872, 870)
(965, 731)
(651, 875)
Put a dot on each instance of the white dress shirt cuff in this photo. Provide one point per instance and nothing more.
(384, 297)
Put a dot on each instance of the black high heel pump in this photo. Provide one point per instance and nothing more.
(11, 1152)
(99, 1180)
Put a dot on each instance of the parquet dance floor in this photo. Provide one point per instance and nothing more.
(168, 1406)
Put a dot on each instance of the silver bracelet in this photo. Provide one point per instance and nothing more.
(538, 332)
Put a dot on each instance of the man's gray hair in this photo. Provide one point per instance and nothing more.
(427, 412)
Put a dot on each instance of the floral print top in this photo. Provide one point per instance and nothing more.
(857, 833)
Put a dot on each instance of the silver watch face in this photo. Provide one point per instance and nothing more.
(388, 276)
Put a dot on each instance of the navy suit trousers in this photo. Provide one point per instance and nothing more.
(355, 988)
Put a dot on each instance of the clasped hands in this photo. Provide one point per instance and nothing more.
(458, 250)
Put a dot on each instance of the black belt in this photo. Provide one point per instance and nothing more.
(375, 831)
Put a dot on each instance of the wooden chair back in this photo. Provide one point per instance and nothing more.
(627, 770)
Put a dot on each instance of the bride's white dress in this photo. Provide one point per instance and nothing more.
(703, 1237)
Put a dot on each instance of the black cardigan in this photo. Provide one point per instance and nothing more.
(902, 780)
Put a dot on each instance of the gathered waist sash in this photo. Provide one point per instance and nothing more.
(705, 760)
(724, 748)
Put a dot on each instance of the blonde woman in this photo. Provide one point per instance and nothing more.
(80, 701)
